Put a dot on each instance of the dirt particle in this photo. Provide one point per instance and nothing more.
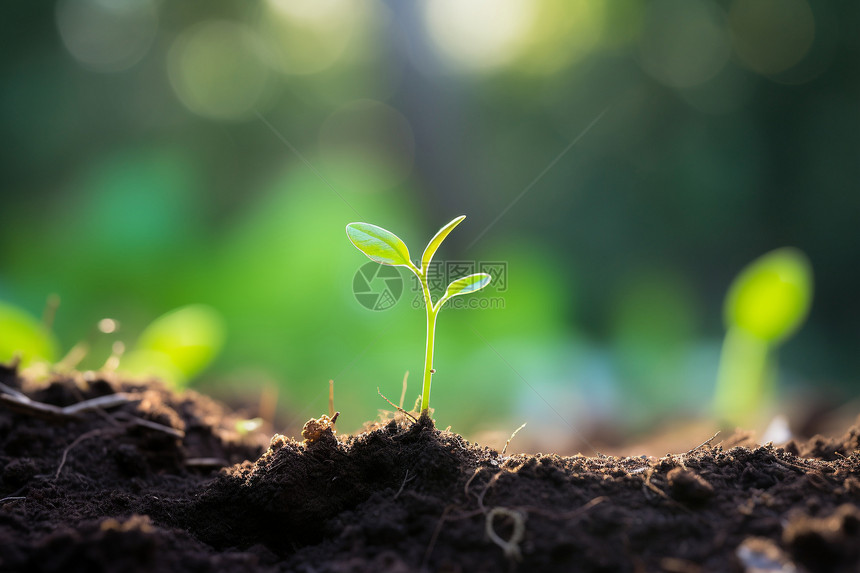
(129, 460)
(852, 486)
(140, 523)
(316, 428)
(18, 472)
(830, 543)
(675, 565)
(689, 487)
(760, 555)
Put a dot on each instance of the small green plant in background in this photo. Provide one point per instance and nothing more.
(386, 248)
(24, 336)
(176, 346)
(766, 303)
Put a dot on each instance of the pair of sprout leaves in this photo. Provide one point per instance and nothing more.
(386, 248)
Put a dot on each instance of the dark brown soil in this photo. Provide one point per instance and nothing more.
(132, 495)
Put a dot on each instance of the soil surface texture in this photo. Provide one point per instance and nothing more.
(105, 475)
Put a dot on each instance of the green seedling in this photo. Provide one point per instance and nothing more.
(386, 248)
(177, 345)
(765, 305)
(22, 335)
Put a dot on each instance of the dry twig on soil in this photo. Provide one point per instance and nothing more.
(398, 408)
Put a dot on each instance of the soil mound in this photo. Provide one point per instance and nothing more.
(106, 475)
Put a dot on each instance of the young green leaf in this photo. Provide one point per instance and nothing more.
(177, 345)
(25, 336)
(437, 239)
(467, 284)
(771, 296)
(379, 245)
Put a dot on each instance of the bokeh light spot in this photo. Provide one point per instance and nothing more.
(216, 69)
(564, 31)
(309, 36)
(684, 42)
(476, 34)
(107, 35)
(314, 12)
(772, 35)
(108, 325)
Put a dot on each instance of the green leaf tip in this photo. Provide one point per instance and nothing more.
(380, 245)
(436, 241)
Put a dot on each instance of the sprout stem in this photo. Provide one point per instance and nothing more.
(432, 311)
(428, 359)
(744, 377)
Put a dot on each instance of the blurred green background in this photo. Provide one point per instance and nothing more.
(158, 154)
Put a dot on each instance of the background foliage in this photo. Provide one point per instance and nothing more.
(158, 154)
